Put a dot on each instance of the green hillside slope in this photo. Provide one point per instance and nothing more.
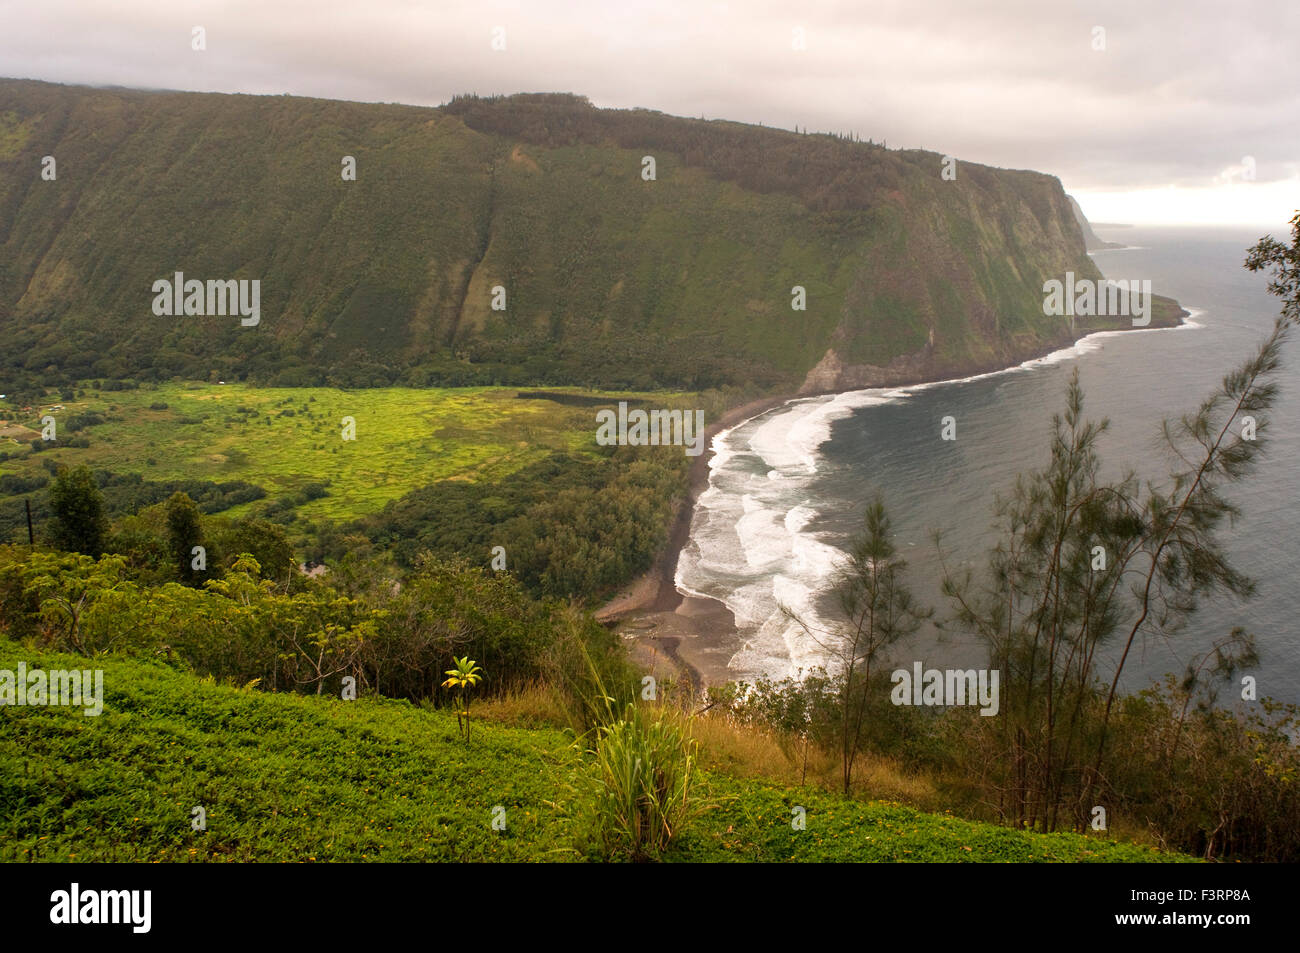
(294, 777)
(610, 280)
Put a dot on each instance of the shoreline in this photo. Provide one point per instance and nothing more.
(648, 590)
(690, 637)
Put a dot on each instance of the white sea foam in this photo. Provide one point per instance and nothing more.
(753, 544)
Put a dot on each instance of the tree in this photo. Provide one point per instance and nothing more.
(184, 532)
(1284, 262)
(1086, 564)
(876, 611)
(228, 539)
(79, 524)
(66, 588)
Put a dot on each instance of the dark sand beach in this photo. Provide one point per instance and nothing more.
(692, 637)
(682, 637)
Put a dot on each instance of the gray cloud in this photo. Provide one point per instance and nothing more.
(1181, 93)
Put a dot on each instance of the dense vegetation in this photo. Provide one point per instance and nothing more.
(593, 527)
(288, 440)
(1083, 569)
(284, 631)
(288, 777)
(170, 518)
(612, 281)
(451, 472)
(1179, 771)
(124, 495)
(376, 632)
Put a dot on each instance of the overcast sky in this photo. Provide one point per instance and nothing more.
(1190, 112)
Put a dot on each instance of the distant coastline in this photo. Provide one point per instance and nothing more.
(691, 637)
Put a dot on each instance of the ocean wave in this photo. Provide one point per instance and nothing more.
(753, 543)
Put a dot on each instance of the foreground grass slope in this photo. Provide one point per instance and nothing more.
(289, 777)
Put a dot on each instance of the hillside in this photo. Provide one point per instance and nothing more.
(293, 777)
(1090, 239)
(611, 281)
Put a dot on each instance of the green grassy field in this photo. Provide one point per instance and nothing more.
(298, 778)
(285, 438)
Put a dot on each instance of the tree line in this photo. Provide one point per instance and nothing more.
(1084, 571)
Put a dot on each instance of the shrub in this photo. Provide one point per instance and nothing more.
(11, 483)
(314, 491)
(637, 796)
(81, 421)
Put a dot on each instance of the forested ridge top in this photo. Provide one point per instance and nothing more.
(610, 280)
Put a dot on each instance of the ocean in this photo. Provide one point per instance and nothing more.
(787, 489)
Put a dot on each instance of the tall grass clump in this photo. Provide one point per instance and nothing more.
(636, 797)
(639, 796)
(589, 671)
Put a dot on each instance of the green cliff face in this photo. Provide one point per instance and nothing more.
(610, 280)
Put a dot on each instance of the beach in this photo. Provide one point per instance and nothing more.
(693, 638)
(671, 635)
